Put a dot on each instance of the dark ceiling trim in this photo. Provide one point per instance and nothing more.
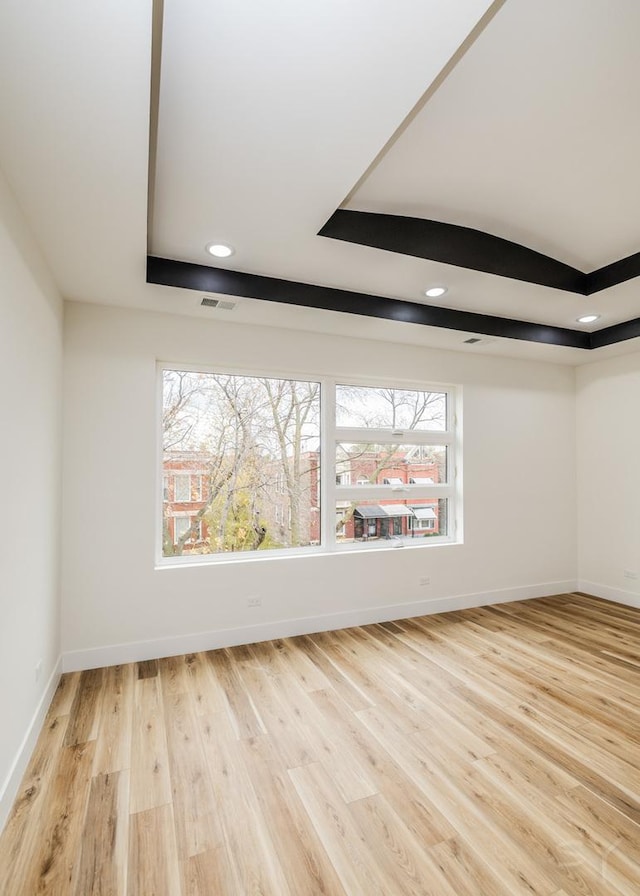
(630, 329)
(451, 244)
(613, 274)
(465, 247)
(187, 275)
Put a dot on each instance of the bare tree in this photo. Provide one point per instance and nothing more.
(177, 416)
(246, 430)
(389, 409)
(293, 404)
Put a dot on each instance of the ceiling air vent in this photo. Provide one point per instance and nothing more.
(218, 303)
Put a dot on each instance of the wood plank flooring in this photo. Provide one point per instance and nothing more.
(486, 752)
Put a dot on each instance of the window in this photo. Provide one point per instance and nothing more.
(397, 410)
(186, 530)
(248, 451)
(253, 438)
(340, 522)
(181, 526)
(187, 488)
(182, 489)
(399, 443)
(424, 518)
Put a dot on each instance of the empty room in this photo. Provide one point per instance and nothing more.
(320, 436)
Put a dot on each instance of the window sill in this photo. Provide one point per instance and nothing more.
(341, 551)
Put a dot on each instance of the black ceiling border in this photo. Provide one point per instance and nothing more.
(187, 275)
(476, 250)
(629, 329)
(463, 247)
(618, 272)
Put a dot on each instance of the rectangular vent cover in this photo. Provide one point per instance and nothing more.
(218, 303)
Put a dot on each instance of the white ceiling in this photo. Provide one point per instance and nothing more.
(272, 115)
(534, 135)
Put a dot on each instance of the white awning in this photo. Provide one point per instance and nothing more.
(397, 510)
(425, 480)
(424, 513)
(392, 481)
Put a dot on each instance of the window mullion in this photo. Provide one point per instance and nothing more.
(387, 437)
(365, 493)
(328, 463)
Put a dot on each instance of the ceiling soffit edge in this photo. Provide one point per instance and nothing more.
(476, 250)
(206, 278)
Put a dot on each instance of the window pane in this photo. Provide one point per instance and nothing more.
(187, 530)
(368, 463)
(401, 409)
(182, 489)
(395, 521)
(251, 446)
(181, 526)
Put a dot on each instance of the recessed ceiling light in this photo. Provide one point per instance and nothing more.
(434, 292)
(588, 318)
(220, 250)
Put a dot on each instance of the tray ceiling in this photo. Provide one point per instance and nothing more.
(514, 120)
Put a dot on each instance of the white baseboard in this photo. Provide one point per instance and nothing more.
(629, 598)
(11, 784)
(137, 651)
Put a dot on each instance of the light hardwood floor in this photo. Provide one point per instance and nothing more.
(487, 752)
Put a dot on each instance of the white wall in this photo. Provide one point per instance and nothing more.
(608, 466)
(30, 370)
(519, 437)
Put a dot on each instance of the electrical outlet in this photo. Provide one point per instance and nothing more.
(254, 601)
(424, 580)
(38, 670)
(630, 574)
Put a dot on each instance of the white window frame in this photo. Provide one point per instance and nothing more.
(449, 437)
(332, 494)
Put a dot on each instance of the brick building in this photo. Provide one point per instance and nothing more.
(401, 516)
(185, 495)
(288, 516)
